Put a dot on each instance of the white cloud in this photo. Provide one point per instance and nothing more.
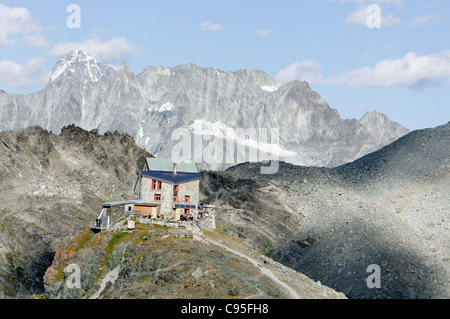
(209, 26)
(30, 75)
(411, 70)
(389, 20)
(111, 51)
(37, 41)
(423, 21)
(361, 15)
(263, 33)
(358, 17)
(16, 22)
(308, 70)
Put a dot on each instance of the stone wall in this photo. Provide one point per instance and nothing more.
(190, 188)
(208, 223)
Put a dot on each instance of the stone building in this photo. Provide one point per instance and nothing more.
(166, 189)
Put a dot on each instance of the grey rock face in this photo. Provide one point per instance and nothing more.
(154, 104)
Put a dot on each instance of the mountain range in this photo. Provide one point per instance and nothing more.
(211, 106)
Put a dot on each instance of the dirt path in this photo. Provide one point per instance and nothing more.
(264, 270)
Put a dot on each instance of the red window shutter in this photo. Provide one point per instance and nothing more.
(155, 197)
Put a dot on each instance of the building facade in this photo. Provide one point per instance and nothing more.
(167, 190)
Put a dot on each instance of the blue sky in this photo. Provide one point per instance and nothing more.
(399, 66)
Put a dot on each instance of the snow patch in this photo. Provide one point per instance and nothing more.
(58, 71)
(166, 107)
(82, 65)
(272, 88)
(221, 130)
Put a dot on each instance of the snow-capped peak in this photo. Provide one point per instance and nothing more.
(82, 65)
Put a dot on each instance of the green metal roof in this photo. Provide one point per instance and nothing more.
(164, 164)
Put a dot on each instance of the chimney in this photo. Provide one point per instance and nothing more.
(174, 168)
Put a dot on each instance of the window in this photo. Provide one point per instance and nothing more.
(175, 199)
(156, 184)
(157, 197)
(176, 188)
(187, 199)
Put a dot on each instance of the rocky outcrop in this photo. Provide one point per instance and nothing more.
(51, 188)
(157, 262)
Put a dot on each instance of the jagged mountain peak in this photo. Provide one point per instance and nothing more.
(372, 115)
(79, 55)
(125, 76)
(381, 128)
(124, 68)
(82, 66)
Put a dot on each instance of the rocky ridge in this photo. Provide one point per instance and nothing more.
(389, 208)
(157, 262)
